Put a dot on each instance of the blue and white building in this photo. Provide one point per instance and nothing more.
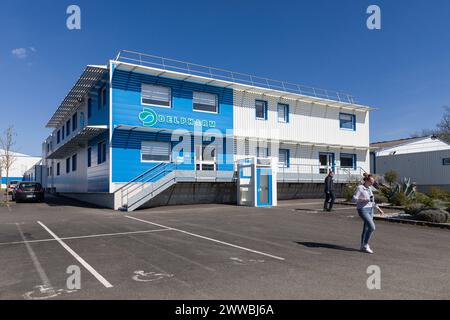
(146, 130)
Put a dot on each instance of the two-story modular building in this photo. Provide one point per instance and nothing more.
(145, 131)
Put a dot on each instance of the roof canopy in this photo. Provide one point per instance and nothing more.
(79, 140)
(88, 79)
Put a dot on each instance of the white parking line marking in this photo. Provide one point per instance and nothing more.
(210, 239)
(83, 237)
(45, 281)
(77, 257)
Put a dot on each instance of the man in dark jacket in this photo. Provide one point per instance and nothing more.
(329, 192)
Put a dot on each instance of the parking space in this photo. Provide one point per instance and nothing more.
(294, 251)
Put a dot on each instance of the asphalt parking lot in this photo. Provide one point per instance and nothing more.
(294, 251)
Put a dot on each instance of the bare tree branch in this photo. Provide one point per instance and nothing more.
(7, 156)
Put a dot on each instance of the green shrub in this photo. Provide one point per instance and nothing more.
(399, 199)
(439, 194)
(415, 208)
(349, 190)
(433, 215)
(424, 199)
(380, 198)
(391, 177)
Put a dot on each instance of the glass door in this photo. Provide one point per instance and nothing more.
(263, 186)
(205, 158)
(326, 161)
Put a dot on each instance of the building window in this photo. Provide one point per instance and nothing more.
(74, 162)
(348, 160)
(74, 121)
(261, 109)
(58, 136)
(58, 169)
(155, 151)
(205, 102)
(67, 165)
(89, 107)
(63, 132)
(446, 161)
(283, 158)
(68, 127)
(347, 121)
(156, 95)
(283, 112)
(262, 152)
(89, 157)
(101, 152)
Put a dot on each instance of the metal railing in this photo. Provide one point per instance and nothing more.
(193, 69)
(149, 180)
(143, 181)
(298, 173)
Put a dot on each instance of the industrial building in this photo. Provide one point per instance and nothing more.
(21, 163)
(145, 130)
(426, 160)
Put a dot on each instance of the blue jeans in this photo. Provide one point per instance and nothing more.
(366, 215)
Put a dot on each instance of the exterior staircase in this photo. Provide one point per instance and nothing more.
(146, 186)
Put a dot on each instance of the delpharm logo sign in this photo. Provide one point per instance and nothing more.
(150, 118)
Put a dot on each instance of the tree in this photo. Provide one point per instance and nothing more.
(391, 177)
(444, 126)
(7, 157)
(442, 130)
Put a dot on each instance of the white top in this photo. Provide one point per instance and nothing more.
(363, 197)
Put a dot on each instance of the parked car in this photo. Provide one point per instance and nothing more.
(11, 186)
(28, 191)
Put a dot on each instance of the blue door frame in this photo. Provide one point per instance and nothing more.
(267, 172)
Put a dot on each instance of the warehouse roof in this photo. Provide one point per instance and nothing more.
(393, 143)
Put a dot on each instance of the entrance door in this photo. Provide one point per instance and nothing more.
(205, 158)
(264, 181)
(326, 161)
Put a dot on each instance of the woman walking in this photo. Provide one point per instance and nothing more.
(365, 203)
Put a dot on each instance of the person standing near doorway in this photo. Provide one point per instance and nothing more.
(365, 203)
(329, 192)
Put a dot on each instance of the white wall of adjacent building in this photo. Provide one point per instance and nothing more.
(21, 164)
(421, 160)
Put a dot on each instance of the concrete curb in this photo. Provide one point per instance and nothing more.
(404, 221)
(381, 206)
(414, 222)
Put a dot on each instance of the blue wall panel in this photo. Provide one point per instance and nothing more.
(126, 144)
(100, 114)
(11, 179)
(127, 101)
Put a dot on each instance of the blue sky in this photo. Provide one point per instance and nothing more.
(403, 69)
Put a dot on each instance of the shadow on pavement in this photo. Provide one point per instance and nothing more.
(326, 246)
(58, 201)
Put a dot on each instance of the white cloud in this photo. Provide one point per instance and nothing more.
(20, 53)
(33, 49)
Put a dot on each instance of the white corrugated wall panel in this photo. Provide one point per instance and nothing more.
(307, 122)
(424, 168)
